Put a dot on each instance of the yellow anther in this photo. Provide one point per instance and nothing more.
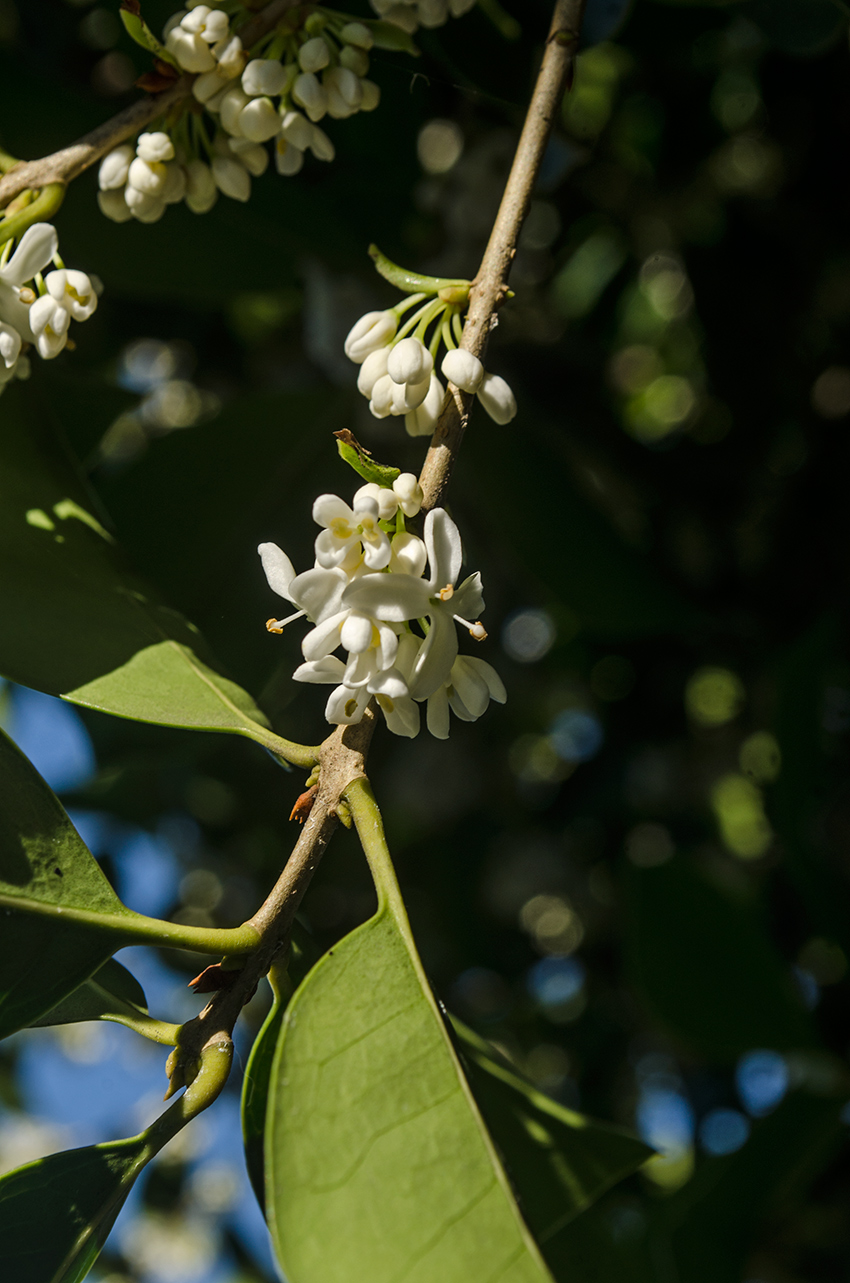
(271, 625)
(446, 594)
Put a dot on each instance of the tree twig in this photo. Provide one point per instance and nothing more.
(488, 288)
(69, 162)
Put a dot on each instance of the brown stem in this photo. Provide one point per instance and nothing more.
(62, 166)
(488, 289)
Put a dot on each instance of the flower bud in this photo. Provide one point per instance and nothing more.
(320, 145)
(72, 290)
(497, 398)
(372, 331)
(144, 206)
(433, 13)
(155, 146)
(201, 191)
(355, 33)
(422, 421)
(146, 177)
(259, 121)
(206, 87)
(403, 16)
(372, 369)
(10, 346)
(457, 8)
(381, 495)
(288, 158)
(192, 53)
(230, 56)
(232, 105)
(409, 396)
(343, 92)
(410, 362)
(354, 60)
(381, 403)
(114, 168)
(314, 54)
(309, 94)
(174, 188)
(263, 76)
(371, 95)
(408, 555)
(231, 178)
(254, 157)
(114, 206)
(408, 493)
(297, 129)
(463, 369)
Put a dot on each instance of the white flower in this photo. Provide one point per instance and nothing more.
(147, 177)
(201, 190)
(309, 94)
(408, 491)
(395, 598)
(297, 129)
(231, 177)
(472, 683)
(144, 206)
(174, 188)
(345, 528)
(400, 15)
(405, 493)
(354, 60)
(210, 24)
(355, 33)
(36, 248)
(457, 8)
(264, 77)
(259, 121)
(49, 323)
(372, 369)
(314, 54)
(433, 13)
(114, 206)
(231, 107)
(320, 145)
(155, 146)
(288, 159)
(371, 332)
(410, 362)
(408, 554)
(423, 420)
(254, 157)
(72, 290)
(343, 90)
(10, 347)
(371, 95)
(190, 49)
(230, 57)
(114, 168)
(463, 369)
(497, 398)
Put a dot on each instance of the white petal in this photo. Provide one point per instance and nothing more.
(328, 508)
(470, 686)
(408, 493)
(387, 647)
(318, 592)
(331, 551)
(495, 685)
(463, 369)
(322, 639)
(321, 672)
(356, 632)
(445, 552)
(410, 362)
(346, 706)
(389, 682)
(280, 571)
(360, 669)
(409, 555)
(402, 715)
(438, 714)
(393, 598)
(35, 250)
(376, 550)
(497, 398)
(408, 649)
(468, 600)
(434, 661)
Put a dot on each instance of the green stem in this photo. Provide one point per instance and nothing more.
(305, 755)
(199, 1095)
(135, 928)
(410, 282)
(7, 161)
(155, 1030)
(436, 308)
(370, 829)
(40, 210)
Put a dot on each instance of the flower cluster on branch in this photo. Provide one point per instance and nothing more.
(368, 593)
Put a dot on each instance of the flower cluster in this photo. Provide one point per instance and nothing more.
(366, 592)
(37, 310)
(397, 361)
(412, 14)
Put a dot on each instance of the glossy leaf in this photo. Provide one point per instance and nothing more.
(559, 1161)
(110, 994)
(44, 861)
(75, 621)
(707, 967)
(372, 1129)
(137, 29)
(55, 1213)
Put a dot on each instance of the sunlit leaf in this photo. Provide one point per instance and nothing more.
(55, 1213)
(707, 967)
(558, 1161)
(112, 992)
(44, 861)
(372, 1130)
(75, 621)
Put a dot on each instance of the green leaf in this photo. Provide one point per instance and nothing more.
(44, 861)
(388, 36)
(353, 453)
(111, 993)
(559, 1161)
(75, 621)
(378, 1162)
(56, 1213)
(138, 30)
(707, 967)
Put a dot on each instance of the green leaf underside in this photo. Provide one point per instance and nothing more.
(56, 1213)
(381, 473)
(559, 1161)
(44, 860)
(111, 992)
(75, 622)
(372, 1130)
(137, 29)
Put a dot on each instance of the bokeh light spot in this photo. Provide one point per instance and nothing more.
(713, 696)
(739, 809)
(759, 757)
(552, 923)
(577, 735)
(556, 982)
(528, 635)
(762, 1079)
(723, 1131)
(439, 146)
(648, 845)
(831, 393)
